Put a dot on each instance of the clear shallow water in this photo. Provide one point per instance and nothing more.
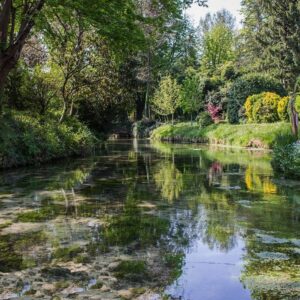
(151, 220)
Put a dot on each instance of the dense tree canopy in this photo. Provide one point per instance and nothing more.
(110, 63)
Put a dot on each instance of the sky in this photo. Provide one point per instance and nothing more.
(196, 12)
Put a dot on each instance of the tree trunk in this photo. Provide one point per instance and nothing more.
(63, 114)
(294, 113)
(10, 51)
(294, 116)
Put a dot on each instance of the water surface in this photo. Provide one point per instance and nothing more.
(151, 221)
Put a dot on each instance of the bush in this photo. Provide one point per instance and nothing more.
(286, 160)
(283, 109)
(249, 104)
(204, 119)
(245, 86)
(27, 140)
(228, 71)
(265, 108)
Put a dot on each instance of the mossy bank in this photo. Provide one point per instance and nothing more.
(265, 136)
(26, 140)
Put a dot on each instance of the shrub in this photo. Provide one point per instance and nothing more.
(228, 71)
(286, 160)
(249, 104)
(245, 86)
(214, 112)
(27, 140)
(283, 109)
(265, 108)
(204, 119)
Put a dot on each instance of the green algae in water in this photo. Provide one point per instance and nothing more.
(272, 256)
(5, 225)
(67, 253)
(146, 230)
(9, 259)
(174, 262)
(12, 248)
(83, 259)
(41, 215)
(132, 270)
(97, 285)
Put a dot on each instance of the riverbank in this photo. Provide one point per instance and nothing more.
(25, 140)
(264, 136)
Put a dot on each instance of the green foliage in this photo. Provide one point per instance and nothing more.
(246, 135)
(27, 140)
(204, 119)
(228, 71)
(192, 93)
(271, 38)
(246, 86)
(262, 108)
(283, 109)
(167, 97)
(286, 160)
(297, 104)
(217, 46)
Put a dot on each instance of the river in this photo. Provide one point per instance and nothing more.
(151, 221)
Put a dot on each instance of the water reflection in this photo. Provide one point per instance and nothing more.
(177, 220)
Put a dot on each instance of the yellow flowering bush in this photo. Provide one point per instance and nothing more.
(249, 106)
(262, 108)
(283, 109)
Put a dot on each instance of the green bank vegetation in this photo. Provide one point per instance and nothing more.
(245, 135)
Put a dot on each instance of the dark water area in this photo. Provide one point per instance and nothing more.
(151, 221)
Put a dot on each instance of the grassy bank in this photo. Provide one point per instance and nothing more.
(26, 140)
(245, 135)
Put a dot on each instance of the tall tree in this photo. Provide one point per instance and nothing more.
(115, 20)
(167, 97)
(217, 46)
(16, 22)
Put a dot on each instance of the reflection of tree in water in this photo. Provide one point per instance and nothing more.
(236, 194)
(254, 182)
(168, 180)
(220, 228)
(133, 226)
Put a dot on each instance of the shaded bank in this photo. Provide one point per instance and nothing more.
(25, 140)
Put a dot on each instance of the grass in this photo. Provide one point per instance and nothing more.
(244, 135)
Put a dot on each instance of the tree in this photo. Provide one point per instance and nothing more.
(114, 20)
(217, 47)
(16, 22)
(41, 88)
(220, 17)
(167, 97)
(192, 93)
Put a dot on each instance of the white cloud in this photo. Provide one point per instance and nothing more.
(196, 13)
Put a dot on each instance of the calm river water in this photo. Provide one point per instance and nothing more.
(150, 221)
